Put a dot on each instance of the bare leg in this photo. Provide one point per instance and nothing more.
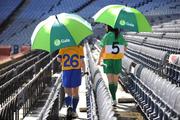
(115, 79)
(68, 91)
(110, 78)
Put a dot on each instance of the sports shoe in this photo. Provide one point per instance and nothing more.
(69, 112)
(74, 115)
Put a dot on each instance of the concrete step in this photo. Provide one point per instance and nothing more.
(38, 106)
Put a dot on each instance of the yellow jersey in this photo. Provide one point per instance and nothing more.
(71, 57)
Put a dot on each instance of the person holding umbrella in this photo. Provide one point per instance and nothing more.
(59, 32)
(113, 44)
(113, 47)
(71, 59)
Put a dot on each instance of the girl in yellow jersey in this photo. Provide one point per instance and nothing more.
(71, 59)
(113, 47)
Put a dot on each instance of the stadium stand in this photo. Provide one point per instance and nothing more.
(149, 52)
(7, 8)
(28, 90)
(152, 93)
(21, 30)
(156, 94)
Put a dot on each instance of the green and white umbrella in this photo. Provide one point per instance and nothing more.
(60, 31)
(119, 16)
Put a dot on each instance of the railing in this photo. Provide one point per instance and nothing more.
(90, 95)
(102, 96)
(20, 104)
(54, 102)
(11, 87)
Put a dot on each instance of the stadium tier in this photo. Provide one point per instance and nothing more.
(31, 82)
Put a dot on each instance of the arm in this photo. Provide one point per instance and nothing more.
(125, 48)
(59, 59)
(100, 56)
(125, 45)
(82, 62)
(83, 65)
(102, 44)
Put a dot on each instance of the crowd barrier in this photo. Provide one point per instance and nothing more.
(102, 96)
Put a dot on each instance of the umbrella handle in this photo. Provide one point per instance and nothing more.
(57, 19)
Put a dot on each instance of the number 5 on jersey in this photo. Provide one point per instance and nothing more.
(115, 48)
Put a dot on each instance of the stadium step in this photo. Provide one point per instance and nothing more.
(126, 108)
(35, 111)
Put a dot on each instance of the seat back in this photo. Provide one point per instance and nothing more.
(177, 104)
(173, 96)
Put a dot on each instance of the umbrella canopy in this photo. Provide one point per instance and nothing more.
(60, 31)
(119, 16)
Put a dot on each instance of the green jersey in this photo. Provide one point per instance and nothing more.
(114, 48)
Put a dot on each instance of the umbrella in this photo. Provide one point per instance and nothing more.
(60, 31)
(119, 16)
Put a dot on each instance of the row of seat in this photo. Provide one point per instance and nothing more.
(13, 65)
(172, 72)
(156, 60)
(102, 95)
(21, 30)
(155, 41)
(165, 41)
(27, 95)
(23, 65)
(9, 88)
(166, 25)
(165, 44)
(7, 7)
(174, 29)
(152, 58)
(164, 7)
(157, 97)
(27, 16)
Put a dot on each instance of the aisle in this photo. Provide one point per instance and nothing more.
(126, 108)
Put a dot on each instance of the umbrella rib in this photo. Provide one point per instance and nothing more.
(117, 18)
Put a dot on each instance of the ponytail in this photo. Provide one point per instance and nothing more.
(114, 30)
